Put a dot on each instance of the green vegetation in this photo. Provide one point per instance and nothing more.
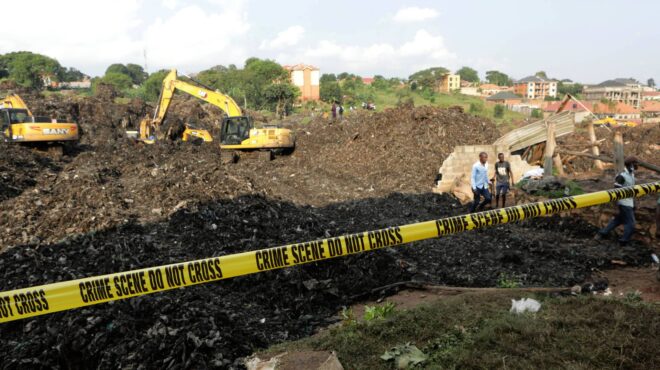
(260, 84)
(427, 78)
(499, 111)
(378, 312)
(498, 78)
(468, 74)
(508, 282)
(30, 69)
(476, 330)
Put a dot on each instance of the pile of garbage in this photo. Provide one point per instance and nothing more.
(213, 325)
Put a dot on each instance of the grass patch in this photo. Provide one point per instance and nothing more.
(476, 330)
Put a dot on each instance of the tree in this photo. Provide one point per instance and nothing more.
(30, 69)
(650, 82)
(119, 81)
(541, 74)
(380, 83)
(330, 91)
(537, 113)
(574, 89)
(153, 84)
(137, 73)
(498, 78)
(427, 78)
(468, 74)
(117, 68)
(72, 74)
(280, 97)
(327, 77)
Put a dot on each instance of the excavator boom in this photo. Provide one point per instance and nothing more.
(236, 131)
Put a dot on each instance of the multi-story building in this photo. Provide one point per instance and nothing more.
(449, 82)
(619, 91)
(534, 87)
(306, 77)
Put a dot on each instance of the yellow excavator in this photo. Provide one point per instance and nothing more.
(19, 125)
(237, 132)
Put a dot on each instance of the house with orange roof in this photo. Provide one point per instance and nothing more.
(651, 111)
(617, 110)
(650, 95)
(581, 110)
(306, 77)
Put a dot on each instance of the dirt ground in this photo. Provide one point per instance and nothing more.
(112, 205)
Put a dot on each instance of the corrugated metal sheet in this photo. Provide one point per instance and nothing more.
(536, 132)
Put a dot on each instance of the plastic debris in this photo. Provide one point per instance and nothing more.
(404, 356)
(525, 305)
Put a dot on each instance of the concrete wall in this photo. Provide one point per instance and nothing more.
(457, 168)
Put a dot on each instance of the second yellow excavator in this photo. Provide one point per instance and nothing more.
(237, 132)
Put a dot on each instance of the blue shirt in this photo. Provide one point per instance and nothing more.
(479, 177)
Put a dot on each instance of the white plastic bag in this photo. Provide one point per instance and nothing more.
(524, 305)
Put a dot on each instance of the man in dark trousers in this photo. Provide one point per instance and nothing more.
(626, 215)
(503, 178)
(480, 182)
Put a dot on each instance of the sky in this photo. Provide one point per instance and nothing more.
(587, 41)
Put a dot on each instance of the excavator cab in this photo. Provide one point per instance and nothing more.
(235, 130)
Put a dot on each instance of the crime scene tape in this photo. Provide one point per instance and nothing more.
(27, 302)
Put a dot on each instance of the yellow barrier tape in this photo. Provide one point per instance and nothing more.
(67, 295)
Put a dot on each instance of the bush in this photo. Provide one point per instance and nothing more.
(537, 113)
(499, 111)
(476, 107)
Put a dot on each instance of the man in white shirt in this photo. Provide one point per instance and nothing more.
(480, 182)
(626, 215)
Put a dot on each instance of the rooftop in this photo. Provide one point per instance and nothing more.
(300, 67)
(614, 108)
(534, 79)
(571, 106)
(651, 106)
(504, 95)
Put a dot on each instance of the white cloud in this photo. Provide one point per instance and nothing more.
(92, 34)
(423, 51)
(415, 14)
(195, 38)
(171, 4)
(287, 38)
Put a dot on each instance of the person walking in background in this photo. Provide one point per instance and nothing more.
(626, 215)
(334, 110)
(503, 178)
(340, 109)
(480, 182)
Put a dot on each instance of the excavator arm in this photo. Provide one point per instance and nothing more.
(171, 84)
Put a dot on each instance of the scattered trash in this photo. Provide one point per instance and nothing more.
(525, 305)
(404, 356)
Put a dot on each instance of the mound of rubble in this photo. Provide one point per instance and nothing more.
(213, 325)
(372, 154)
(642, 141)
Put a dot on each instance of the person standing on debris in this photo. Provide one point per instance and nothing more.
(334, 110)
(503, 178)
(626, 215)
(480, 182)
(341, 111)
